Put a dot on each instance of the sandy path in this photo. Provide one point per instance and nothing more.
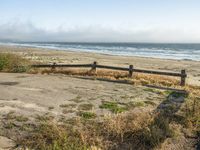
(30, 95)
(34, 94)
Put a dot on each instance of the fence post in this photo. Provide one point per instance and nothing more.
(183, 77)
(53, 66)
(130, 70)
(94, 66)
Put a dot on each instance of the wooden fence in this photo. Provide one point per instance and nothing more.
(130, 69)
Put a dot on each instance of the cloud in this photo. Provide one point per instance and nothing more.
(96, 33)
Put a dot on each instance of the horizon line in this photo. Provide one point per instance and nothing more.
(97, 42)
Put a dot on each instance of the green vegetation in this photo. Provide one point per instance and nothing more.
(87, 115)
(176, 94)
(167, 92)
(13, 63)
(116, 108)
(113, 106)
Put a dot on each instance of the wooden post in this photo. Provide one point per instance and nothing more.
(183, 77)
(53, 66)
(94, 66)
(130, 70)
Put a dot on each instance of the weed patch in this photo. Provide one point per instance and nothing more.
(87, 115)
(13, 63)
(113, 106)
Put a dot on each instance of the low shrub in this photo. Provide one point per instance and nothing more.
(50, 136)
(13, 63)
(121, 131)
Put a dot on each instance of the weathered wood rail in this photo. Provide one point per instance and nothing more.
(130, 69)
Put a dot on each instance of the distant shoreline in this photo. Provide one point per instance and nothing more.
(161, 51)
(74, 51)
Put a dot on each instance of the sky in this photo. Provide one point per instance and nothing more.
(162, 21)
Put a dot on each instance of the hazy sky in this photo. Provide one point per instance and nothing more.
(100, 20)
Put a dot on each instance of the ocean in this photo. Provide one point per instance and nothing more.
(166, 51)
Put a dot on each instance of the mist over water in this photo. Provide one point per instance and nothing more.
(167, 51)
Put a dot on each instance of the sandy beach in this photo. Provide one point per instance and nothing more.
(70, 57)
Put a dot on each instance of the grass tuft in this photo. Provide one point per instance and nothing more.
(87, 115)
(113, 106)
(50, 136)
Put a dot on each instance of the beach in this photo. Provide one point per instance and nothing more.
(70, 57)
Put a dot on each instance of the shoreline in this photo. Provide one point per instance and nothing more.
(74, 57)
(94, 52)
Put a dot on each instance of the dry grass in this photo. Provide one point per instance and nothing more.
(192, 106)
(116, 75)
(49, 135)
(122, 131)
